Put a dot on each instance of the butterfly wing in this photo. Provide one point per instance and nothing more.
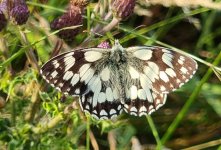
(152, 73)
(140, 99)
(83, 72)
(165, 70)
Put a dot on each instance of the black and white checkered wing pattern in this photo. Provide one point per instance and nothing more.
(165, 70)
(136, 79)
(76, 73)
(154, 72)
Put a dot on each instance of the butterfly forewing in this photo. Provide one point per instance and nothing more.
(69, 71)
(164, 70)
(83, 72)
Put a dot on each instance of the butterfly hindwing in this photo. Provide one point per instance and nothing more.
(140, 98)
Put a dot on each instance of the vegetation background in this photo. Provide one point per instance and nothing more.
(33, 115)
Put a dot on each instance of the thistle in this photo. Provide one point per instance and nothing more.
(19, 12)
(72, 17)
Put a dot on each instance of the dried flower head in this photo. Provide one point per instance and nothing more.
(68, 19)
(19, 12)
(72, 17)
(80, 3)
(123, 8)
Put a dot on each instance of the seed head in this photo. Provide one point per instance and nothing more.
(123, 8)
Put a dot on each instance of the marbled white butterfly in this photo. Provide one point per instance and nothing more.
(109, 80)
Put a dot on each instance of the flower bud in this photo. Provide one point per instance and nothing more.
(72, 17)
(3, 21)
(19, 13)
(123, 8)
(3, 10)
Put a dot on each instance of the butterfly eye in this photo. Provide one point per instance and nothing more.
(137, 81)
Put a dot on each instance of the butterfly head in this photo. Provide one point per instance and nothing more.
(117, 51)
(117, 47)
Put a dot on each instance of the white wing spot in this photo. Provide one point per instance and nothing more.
(75, 79)
(95, 111)
(56, 64)
(93, 84)
(92, 56)
(68, 75)
(149, 95)
(141, 94)
(103, 112)
(170, 72)
(133, 73)
(54, 74)
(96, 88)
(77, 91)
(152, 72)
(109, 94)
(151, 109)
(112, 111)
(143, 109)
(145, 82)
(133, 92)
(167, 59)
(83, 99)
(165, 50)
(101, 97)
(181, 84)
(157, 101)
(182, 58)
(180, 61)
(88, 75)
(61, 84)
(69, 62)
(83, 69)
(133, 109)
(105, 74)
(162, 88)
(164, 76)
(119, 107)
(154, 67)
(183, 70)
(143, 54)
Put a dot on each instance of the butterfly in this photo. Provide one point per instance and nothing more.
(109, 81)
